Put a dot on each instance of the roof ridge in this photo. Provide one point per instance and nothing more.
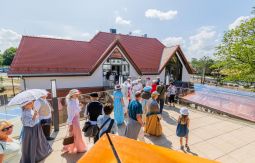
(177, 45)
(51, 38)
(129, 35)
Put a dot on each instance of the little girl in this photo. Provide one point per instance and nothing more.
(182, 129)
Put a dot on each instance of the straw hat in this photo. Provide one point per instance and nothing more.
(4, 124)
(94, 94)
(73, 92)
(155, 93)
(184, 111)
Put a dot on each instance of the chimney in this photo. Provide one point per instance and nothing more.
(113, 30)
(145, 35)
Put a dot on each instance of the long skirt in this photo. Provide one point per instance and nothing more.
(118, 112)
(34, 145)
(153, 126)
(79, 142)
(133, 128)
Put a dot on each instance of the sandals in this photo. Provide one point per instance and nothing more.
(187, 147)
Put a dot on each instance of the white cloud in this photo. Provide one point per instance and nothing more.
(54, 36)
(120, 21)
(137, 32)
(74, 33)
(8, 38)
(238, 22)
(171, 41)
(203, 42)
(154, 13)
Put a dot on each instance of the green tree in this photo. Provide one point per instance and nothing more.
(8, 56)
(1, 59)
(236, 53)
(202, 66)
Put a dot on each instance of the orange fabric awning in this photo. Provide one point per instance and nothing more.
(133, 151)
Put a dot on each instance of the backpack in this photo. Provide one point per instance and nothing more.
(106, 131)
(90, 130)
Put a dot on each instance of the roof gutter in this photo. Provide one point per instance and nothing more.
(48, 75)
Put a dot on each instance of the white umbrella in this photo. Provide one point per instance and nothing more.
(38, 93)
(27, 96)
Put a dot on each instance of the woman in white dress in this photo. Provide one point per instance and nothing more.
(10, 149)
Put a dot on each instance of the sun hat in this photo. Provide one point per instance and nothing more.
(154, 81)
(4, 124)
(94, 94)
(155, 93)
(184, 111)
(147, 89)
(135, 82)
(74, 92)
(117, 87)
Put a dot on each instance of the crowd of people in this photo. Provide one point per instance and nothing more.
(139, 105)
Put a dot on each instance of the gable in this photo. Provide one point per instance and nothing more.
(51, 57)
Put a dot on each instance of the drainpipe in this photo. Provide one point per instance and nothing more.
(24, 82)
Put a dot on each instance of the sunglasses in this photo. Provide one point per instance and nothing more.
(7, 128)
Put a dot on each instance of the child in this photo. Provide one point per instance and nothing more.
(105, 123)
(182, 129)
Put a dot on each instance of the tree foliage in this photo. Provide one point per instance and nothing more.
(8, 56)
(202, 63)
(236, 53)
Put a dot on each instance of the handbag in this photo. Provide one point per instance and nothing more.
(91, 131)
(68, 139)
(86, 126)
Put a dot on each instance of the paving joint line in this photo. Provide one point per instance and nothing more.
(235, 149)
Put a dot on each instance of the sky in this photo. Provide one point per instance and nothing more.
(197, 25)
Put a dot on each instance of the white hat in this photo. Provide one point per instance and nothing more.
(73, 92)
(184, 111)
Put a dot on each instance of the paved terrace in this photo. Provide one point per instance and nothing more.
(211, 136)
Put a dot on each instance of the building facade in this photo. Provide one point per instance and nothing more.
(100, 63)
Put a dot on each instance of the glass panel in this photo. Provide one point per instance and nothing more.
(174, 69)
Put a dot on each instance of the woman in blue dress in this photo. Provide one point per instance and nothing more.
(118, 105)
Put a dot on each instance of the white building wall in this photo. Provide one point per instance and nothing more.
(95, 80)
(161, 75)
(185, 74)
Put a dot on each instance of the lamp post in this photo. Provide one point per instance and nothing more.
(55, 105)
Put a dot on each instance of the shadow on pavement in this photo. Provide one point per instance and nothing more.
(161, 141)
(194, 154)
(72, 158)
(169, 119)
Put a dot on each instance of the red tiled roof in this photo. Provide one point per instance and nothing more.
(37, 55)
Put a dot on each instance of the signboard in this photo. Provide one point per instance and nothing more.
(53, 88)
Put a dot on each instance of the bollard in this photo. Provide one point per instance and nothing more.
(55, 113)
